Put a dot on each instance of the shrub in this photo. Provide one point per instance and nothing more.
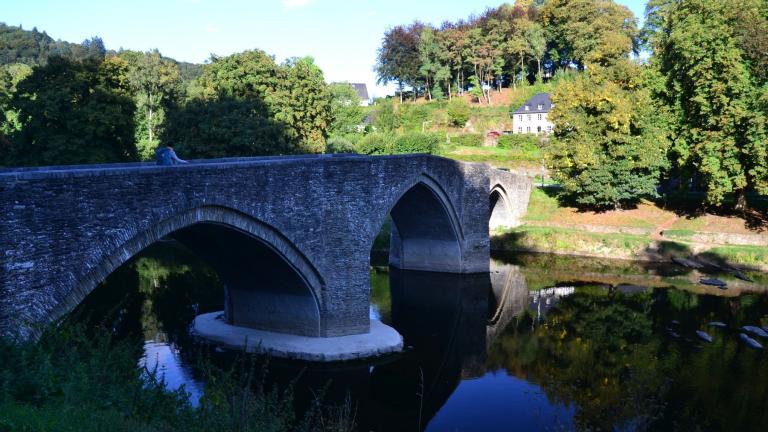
(468, 140)
(385, 117)
(416, 142)
(458, 112)
(522, 142)
(340, 144)
(375, 144)
(413, 116)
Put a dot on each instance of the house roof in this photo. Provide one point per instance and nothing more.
(361, 89)
(533, 103)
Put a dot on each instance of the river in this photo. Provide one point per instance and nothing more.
(542, 343)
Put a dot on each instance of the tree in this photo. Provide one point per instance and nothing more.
(153, 80)
(264, 108)
(431, 68)
(346, 112)
(717, 94)
(303, 104)
(73, 112)
(594, 31)
(398, 57)
(609, 147)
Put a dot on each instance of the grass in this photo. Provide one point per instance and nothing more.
(743, 255)
(681, 234)
(570, 241)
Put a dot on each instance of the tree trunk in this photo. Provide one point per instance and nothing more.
(741, 200)
(149, 120)
(400, 84)
(538, 63)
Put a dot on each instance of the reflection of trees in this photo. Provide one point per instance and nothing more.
(595, 351)
(155, 295)
(609, 355)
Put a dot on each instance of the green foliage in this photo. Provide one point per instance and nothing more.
(245, 104)
(155, 83)
(522, 142)
(346, 112)
(71, 380)
(415, 117)
(410, 142)
(417, 142)
(340, 144)
(385, 118)
(717, 96)
(467, 140)
(609, 148)
(458, 112)
(376, 144)
(73, 112)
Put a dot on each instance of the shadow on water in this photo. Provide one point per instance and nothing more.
(541, 342)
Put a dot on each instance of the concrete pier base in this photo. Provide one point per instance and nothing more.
(382, 339)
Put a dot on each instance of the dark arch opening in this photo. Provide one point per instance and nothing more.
(261, 289)
(498, 210)
(423, 234)
(269, 284)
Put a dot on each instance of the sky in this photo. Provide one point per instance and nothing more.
(342, 36)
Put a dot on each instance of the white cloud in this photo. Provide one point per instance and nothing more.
(293, 4)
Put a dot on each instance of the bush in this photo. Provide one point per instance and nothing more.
(340, 144)
(458, 112)
(468, 140)
(416, 142)
(375, 144)
(522, 142)
(385, 117)
(413, 116)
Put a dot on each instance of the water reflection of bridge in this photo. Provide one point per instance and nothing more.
(448, 321)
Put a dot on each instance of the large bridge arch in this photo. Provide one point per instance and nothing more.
(298, 311)
(426, 231)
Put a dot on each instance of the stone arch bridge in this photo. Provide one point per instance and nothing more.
(289, 236)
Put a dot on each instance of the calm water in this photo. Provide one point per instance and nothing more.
(542, 343)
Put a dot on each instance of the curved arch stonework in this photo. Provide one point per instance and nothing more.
(501, 212)
(234, 219)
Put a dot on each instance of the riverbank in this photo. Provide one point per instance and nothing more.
(648, 232)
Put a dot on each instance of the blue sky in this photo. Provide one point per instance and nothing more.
(342, 36)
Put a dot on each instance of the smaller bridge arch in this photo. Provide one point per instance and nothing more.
(426, 231)
(500, 210)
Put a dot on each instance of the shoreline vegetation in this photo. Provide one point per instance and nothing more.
(83, 379)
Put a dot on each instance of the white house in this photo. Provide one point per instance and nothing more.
(531, 117)
(362, 93)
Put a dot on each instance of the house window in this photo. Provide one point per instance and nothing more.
(528, 129)
(527, 108)
(529, 117)
(538, 129)
(540, 107)
(549, 128)
(520, 129)
(539, 116)
(521, 117)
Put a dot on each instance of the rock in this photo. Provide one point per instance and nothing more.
(713, 282)
(742, 276)
(717, 324)
(757, 331)
(703, 335)
(750, 342)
